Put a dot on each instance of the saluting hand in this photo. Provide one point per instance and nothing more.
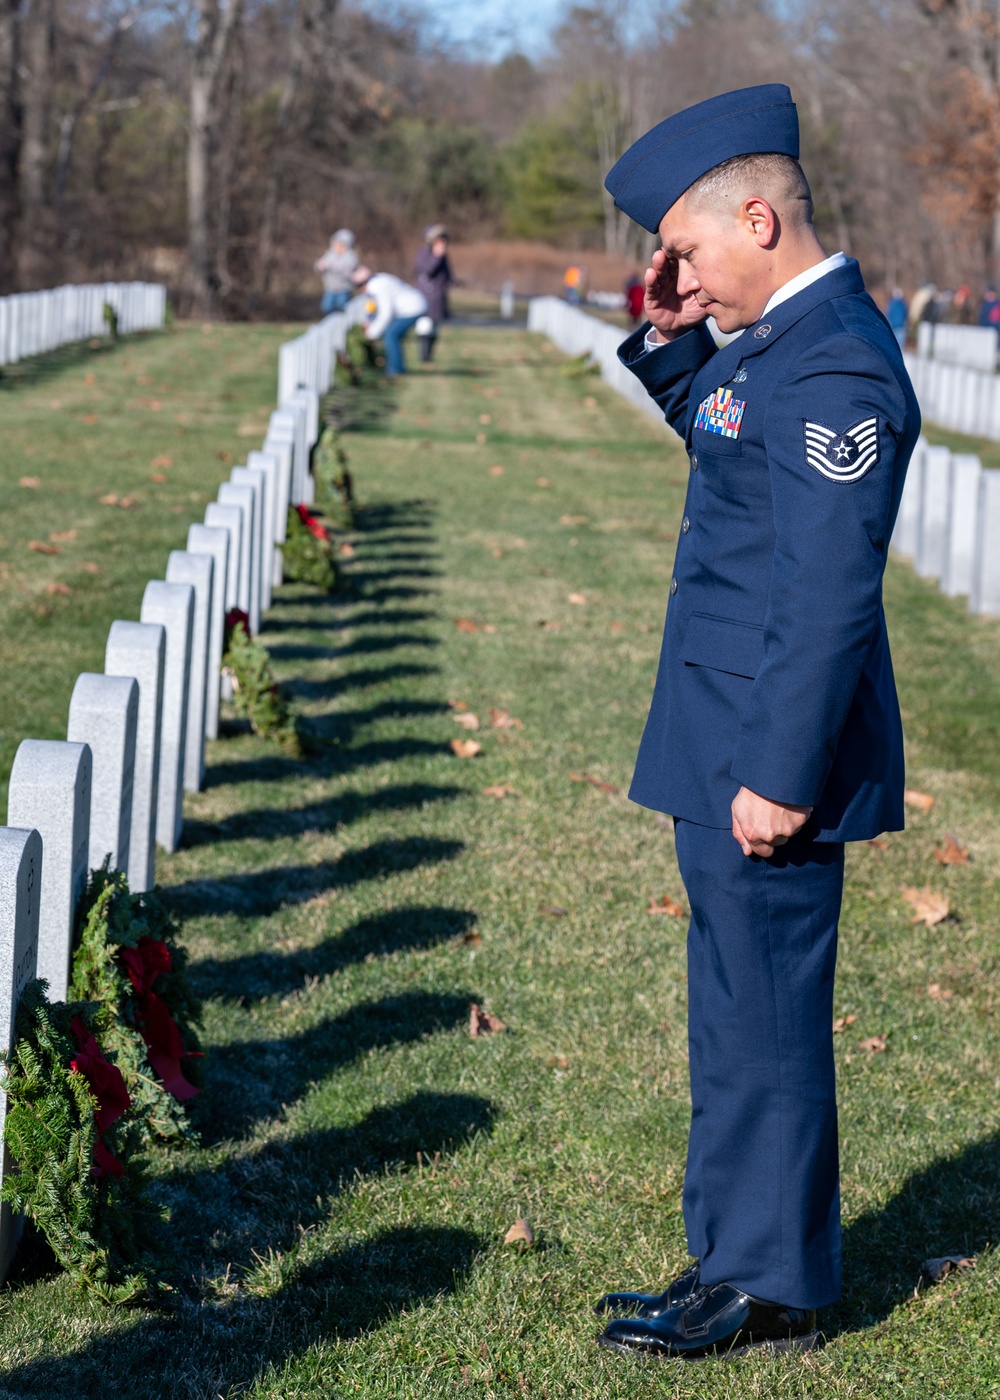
(759, 824)
(670, 313)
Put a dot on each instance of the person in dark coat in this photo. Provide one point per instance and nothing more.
(434, 277)
(774, 733)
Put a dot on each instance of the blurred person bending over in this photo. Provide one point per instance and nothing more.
(774, 733)
(337, 268)
(394, 309)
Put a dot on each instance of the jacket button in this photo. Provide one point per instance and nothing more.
(694, 461)
(685, 524)
(673, 587)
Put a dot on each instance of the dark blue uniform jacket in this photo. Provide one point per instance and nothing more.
(775, 671)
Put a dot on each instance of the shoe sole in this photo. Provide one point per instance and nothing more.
(809, 1341)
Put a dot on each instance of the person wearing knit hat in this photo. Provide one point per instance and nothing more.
(774, 732)
(336, 267)
(434, 277)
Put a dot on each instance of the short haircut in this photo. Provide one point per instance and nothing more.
(777, 178)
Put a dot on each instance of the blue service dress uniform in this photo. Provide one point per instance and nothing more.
(775, 675)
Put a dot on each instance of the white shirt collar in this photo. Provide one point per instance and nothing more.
(803, 280)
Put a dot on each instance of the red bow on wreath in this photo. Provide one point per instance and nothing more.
(236, 617)
(108, 1088)
(312, 524)
(164, 1047)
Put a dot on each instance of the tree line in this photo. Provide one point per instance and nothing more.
(215, 144)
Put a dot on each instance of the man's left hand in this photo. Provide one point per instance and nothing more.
(759, 824)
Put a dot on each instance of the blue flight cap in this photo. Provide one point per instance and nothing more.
(656, 170)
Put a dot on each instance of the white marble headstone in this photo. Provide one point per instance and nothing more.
(255, 479)
(172, 605)
(197, 570)
(269, 464)
(138, 649)
(230, 494)
(50, 791)
(20, 889)
(985, 595)
(104, 713)
(960, 527)
(282, 448)
(933, 518)
(214, 542)
(230, 518)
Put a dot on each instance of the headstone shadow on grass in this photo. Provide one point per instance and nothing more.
(226, 1347)
(950, 1206)
(276, 973)
(330, 762)
(254, 1079)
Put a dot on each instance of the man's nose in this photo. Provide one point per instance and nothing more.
(687, 282)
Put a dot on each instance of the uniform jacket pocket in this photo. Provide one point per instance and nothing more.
(723, 644)
(715, 444)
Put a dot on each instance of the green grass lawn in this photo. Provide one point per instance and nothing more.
(340, 1229)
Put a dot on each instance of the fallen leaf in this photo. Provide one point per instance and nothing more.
(473, 938)
(61, 589)
(483, 1022)
(40, 547)
(842, 1022)
(576, 598)
(457, 705)
(480, 439)
(91, 568)
(32, 482)
(556, 910)
(928, 906)
(89, 419)
(128, 503)
(466, 624)
(665, 905)
(550, 626)
(496, 471)
(465, 748)
(485, 418)
(543, 481)
(347, 550)
(224, 456)
(63, 536)
(557, 1062)
(503, 719)
(162, 462)
(951, 853)
(921, 800)
(489, 628)
(109, 500)
(617, 627)
(594, 782)
(158, 478)
(934, 1270)
(938, 993)
(878, 843)
(497, 552)
(467, 719)
(520, 1233)
(573, 519)
(590, 401)
(90, 380)
(499, 790)
(874, 1044)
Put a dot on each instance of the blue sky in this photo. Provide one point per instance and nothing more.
(494, 27)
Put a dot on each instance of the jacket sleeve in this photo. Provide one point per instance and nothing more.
(833, 504)
(667, 372)
(379, 323)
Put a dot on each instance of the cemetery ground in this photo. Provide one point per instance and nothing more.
(340, 1229)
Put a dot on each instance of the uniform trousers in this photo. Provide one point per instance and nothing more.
(761, 1190)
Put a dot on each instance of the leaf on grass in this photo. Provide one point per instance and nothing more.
(40, 547)
(347, 550)
(842, 1022)
(878, 843)
(489, 628)
(457, 705)
(465, 748)
(91, 568)
(90, 379)
(61, 590)
(550, 626)
(485, 418)
(938, 993)
(594, 782)
(557, 1062)
(499, 790)
(32, 482)
(466, 719)
(934, 1270)
(951, 853)
(473, 938)
(162, 461)
(496, 471)
(928, 906)
(573, 519)
(110, 499)
(90, 419)
(503, 719)
(158, 478)
(577, 598)
(921, 800)
(497, 552)
(480, 439)
(63, 536)
(520, 1233)
(874, 1044)
(483, 1022)
(466, 624)
(665, 905)
(556, 910)
(542, 481)
(617, 627)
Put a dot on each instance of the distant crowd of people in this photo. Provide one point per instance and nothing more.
(393, 307)
(939, 306)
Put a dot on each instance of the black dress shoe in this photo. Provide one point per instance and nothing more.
(718, 1320)
(651, 1304)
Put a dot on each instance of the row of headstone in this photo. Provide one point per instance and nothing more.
(974, 346)
(949, 525)
(136, 732)
(309, 360)
(955, 396)
(32, 323)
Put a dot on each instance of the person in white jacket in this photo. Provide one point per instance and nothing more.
(395, 307)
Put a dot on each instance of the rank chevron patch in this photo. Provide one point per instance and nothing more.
(842, 456)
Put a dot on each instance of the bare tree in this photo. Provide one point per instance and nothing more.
(216, 28)
(10, 139)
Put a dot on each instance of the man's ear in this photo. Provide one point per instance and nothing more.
(760, 221)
